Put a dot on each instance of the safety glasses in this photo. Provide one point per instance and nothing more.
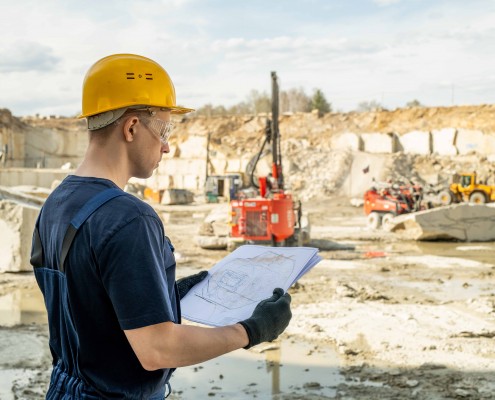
(163, 129)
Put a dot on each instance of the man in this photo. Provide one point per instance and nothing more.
(104, 264)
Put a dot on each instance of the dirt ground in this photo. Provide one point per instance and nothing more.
(377, 318)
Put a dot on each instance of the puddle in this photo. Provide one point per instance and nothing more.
(454, 289)
(22, 306)
(7, 377)
(484, 253)
(292, 368)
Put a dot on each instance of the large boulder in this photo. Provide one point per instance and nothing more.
(16, 224)
(464, 222)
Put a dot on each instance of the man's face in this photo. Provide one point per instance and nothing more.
(151, 142)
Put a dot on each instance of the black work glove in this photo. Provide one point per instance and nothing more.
(185, 284)
(269, 319)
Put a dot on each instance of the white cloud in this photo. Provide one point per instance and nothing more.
(384, 3)
(218, 54)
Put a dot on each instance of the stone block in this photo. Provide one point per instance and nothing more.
(16, 231)
(444, 141)
(177, 196)
(465, 222)
(416, 142)
(470, 140)
(379, 142)
(193, 147)
(347, 140)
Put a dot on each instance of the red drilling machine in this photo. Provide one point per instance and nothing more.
(272, 217)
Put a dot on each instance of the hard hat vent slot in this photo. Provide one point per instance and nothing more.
(132, 75)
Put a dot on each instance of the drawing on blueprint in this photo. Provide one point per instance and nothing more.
(243, 281)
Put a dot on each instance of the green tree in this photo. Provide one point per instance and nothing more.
(320, 103)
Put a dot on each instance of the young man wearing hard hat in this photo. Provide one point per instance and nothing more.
(104, 264)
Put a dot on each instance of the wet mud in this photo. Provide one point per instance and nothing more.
(378, 318)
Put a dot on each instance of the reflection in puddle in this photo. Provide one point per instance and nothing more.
(22, 306)
(292, 368)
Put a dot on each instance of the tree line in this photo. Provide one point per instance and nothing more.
(290, 101)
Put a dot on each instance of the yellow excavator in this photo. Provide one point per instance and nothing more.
(465, 188)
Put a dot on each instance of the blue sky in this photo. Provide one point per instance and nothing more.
(440, 52)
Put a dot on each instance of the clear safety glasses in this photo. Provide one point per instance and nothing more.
(163, 129)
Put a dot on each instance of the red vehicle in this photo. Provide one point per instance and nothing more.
(272, 216)
(382, 205)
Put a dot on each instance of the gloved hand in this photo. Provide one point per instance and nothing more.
(269, 319)
(185, 284)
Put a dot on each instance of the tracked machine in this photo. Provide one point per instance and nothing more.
(381, 205)
(272, 216)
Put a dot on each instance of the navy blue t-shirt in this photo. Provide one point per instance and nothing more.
(120, 275)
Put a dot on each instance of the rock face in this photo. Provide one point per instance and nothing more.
(337, 153)
(464, 222)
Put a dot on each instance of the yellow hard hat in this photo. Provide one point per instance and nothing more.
(127, 80)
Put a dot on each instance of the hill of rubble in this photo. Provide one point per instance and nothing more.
(313, 167)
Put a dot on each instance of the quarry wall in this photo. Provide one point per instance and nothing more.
(312, 146)
(336, 153)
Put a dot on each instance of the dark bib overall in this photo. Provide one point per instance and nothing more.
(66, 380)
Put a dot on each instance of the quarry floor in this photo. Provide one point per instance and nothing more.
(377, 318)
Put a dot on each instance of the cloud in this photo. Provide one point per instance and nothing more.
(384, 3)
(27, 56)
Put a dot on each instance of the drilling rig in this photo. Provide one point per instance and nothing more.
(272, 217)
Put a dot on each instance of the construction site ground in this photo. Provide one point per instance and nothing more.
(377, 318)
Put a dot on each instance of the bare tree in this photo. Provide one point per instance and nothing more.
(294, 100)
(372, 105)
(414, 103)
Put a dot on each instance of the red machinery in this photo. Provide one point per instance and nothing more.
(381, 205)
(272, 216)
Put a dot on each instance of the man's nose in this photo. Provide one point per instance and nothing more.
(165, 148)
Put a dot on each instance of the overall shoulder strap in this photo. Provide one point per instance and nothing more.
(84, 213)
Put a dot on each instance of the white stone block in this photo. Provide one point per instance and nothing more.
(347, 140)
(378, 142)
(191, 181)
(444, 141)
(466, 222)
(489, 146)
(416, 142)
(16, 232)
(193, 147)
(470, 140)
(234, 165)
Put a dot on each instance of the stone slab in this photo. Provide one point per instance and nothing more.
(444, 141)
(468, 140)
(16, 231)
(464, 222)
(379, 142)
(416, 142)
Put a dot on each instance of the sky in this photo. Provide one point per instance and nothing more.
(439, 52)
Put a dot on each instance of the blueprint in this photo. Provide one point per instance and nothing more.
(241, 280)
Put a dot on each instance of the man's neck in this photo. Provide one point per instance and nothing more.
(99, 163)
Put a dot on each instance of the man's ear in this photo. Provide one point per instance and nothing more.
(130, 128)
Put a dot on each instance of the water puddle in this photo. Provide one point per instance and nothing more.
(296, 368)
(22, 306)
(6, 378)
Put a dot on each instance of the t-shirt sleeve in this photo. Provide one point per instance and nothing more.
(138, 271)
